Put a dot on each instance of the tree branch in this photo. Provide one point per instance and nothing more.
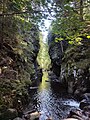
(25, 12)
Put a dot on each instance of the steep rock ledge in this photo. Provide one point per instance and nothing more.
(56, 52)
(72, 64)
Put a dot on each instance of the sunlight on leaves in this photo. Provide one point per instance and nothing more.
(88, 36)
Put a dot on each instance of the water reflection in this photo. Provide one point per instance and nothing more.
(51, 101)
(44, 84)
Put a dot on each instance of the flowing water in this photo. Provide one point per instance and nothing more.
(52, 100)
(49, 98)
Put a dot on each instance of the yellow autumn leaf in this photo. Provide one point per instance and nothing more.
(71, 42)
(78, 39)
(88, 37)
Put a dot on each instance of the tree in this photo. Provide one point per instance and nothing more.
(71, 20)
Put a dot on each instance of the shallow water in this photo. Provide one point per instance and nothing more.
(52, 100)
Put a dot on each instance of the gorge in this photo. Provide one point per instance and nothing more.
(44, 59)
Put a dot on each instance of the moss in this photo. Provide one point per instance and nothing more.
(76, 57)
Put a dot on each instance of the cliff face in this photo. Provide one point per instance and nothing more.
(75, 68)
(56, 52)
(71, 64)
(18, 65)
(18, 57)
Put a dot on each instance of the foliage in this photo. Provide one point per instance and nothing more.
(68, 24)
(43, 57)
(19, 46)
(76, 54)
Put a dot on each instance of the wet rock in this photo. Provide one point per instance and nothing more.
(87, 108)
(32, 116)
(79, 115)
(47, 80)
(33, 88)
(49, 119)
(84, 103)
(77, 92)
(53, 77)
(85, 96)
(70, 119)
(70, 87)
(18, 118)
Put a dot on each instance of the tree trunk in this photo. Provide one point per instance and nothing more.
(81, 10)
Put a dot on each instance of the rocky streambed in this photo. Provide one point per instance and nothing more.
(51, 100)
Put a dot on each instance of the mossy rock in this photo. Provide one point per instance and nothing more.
(9, 114)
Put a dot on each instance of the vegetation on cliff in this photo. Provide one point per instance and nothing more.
(72, 24)
(19, 42)
(19, 46)
(72, 21)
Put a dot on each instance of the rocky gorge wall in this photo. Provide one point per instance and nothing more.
(72, 65)
(18, 69)
(75, 68)
(56, 52)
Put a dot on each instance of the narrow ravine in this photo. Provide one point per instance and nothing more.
(50, 99)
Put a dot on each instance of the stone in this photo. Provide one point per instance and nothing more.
(84, 103)
(85, 96)
(33, 88)
(70, 119)
(9, 114)
(77, 92)
(86, 108)
(32, 116)
(18, 118)
(49, 119)
(70, 87)
(79, 114)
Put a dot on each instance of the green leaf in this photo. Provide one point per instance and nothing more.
(58, 39)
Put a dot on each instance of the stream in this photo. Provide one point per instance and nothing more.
(51, 100)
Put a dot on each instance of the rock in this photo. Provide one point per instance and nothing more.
(32, 116)
(70, 87)
(56, 50)
(84, 103)
(77, 93)
(18, 118)
(70, 119)
(47, 80)
(33, 88)
(9, 114)
(85, 96)
(49, 119)
(78, 115)
(86, 108)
